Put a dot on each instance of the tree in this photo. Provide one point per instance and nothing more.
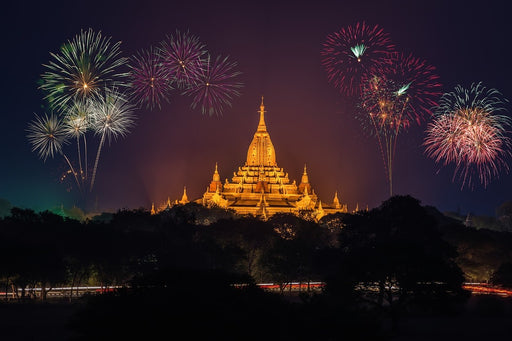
(504, 215)
(291, 257)
(396, 256)
(5, 208)
(503, 276)
(243, 241)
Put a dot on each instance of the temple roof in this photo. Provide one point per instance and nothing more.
(262, 188)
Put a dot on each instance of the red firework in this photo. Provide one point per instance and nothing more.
(352, 52)
(150, 80)
(415, 80)
(395, 96)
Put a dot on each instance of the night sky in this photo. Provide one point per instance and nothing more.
(277, 46)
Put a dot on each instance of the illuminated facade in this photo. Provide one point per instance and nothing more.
(261, 188)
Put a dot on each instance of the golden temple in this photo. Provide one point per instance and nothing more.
(261, 188)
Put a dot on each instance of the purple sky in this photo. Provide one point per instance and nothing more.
(277, 46)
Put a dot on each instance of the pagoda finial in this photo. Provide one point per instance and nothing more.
(305, 178)
(184, 198)
(216, 175)
(261, 125)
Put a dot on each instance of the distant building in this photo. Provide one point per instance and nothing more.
(261, 188)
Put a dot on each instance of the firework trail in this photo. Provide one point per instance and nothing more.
(111, 117)
(469, 131)
(215, 86)
(76, 124)
(150, 80)
(181, 55)
(47, 137)
(352, 52)
(82, 69)
(395, 97)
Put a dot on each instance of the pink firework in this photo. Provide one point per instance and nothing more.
(352, 52)
(394, 97)
(150, 81)
(181, 54)
(215, 86)
(383, 113)
(468, 132)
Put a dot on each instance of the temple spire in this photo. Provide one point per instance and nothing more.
(262, 126)
(336, 201)
(305, 178)
(184, 198)
(216, 175)
(261, 151)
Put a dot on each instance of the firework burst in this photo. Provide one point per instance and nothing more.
(394, 97)
(469, 131)
(47, 137)
(215, 86)
(414, 83)
(181, 54)
(352, 52)
(82, 69)
(150, 80)
(111, 117)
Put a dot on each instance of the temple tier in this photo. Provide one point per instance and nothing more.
(262, 188)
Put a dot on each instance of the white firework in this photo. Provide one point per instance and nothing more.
(111, 117)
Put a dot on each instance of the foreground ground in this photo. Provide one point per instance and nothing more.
(486, 318)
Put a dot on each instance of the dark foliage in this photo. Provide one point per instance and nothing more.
(178, 267)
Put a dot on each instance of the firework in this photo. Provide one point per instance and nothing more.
(150, 80)
(394, 97)
(181, 55)
(47, 137)
(82, 69)
(383, 113)
(215, 86)
(76, 124)
(111, 117)
(414, 83)
(352, 52)
(469, 131)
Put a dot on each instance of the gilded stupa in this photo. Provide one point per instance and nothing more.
(261, 188)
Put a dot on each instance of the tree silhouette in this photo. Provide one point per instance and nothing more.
(396, 257)
(503, 276)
